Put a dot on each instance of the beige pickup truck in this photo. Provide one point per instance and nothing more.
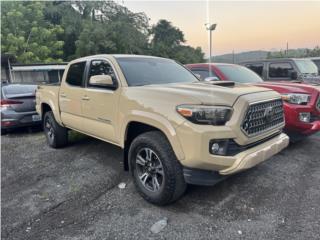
(173, 128)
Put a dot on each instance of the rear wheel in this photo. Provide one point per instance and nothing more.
(157, 173)
(57, 136)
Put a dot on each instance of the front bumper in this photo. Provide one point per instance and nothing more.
(257, 154)
(293, 124)
(195, 141)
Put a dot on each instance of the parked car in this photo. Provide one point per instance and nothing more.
(18, 106)
(301, 101)
(286, 70)
(173, 128)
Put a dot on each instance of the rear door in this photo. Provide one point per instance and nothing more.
(70, 95)
(100, 103)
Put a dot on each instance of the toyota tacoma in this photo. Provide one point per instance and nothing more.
(174, 129)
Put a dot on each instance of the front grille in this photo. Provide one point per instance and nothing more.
(262, 117)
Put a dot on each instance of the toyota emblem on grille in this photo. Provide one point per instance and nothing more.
(268, 114)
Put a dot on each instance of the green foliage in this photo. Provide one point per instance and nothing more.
(27, 35)
(295, 53)
(56, 30)
(167, 40)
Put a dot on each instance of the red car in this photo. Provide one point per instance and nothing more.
(301, 102)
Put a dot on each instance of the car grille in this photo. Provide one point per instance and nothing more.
(262, 117)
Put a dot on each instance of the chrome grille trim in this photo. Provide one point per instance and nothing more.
(259, 119)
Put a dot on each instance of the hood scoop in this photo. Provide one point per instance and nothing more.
(221, 83)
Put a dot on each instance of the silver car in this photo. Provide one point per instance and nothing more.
(18, 106)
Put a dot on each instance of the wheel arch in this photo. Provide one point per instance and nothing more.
(135, 126)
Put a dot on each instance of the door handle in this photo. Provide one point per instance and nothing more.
(85, 98)
(63, 95)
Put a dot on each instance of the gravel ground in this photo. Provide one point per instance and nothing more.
(73, 193)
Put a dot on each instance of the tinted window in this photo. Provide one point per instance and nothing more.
(101, 67)
(280, 70)
(204, 73)
(146, 70)
(239, 74)
(75, 74)
(257, 68)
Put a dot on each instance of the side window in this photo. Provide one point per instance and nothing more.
(256, 67)
(101, 67)
(280, 70)
(203, 73)
(75, 74)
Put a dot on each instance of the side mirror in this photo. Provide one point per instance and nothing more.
(294, 75)
(101, 80)
(209, 79)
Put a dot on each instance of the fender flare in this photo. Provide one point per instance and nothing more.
(55, 111)
(156, 121)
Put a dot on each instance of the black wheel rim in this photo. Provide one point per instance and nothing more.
(49, 130)
(149, 170)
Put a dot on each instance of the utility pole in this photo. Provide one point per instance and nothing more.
(210, 28)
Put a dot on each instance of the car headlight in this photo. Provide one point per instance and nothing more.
(296, 98)
(204, 114)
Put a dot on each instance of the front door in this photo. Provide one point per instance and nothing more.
(100, 102)
(70, 94)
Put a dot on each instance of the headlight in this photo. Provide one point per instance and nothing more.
(203, 114)
(296, 98)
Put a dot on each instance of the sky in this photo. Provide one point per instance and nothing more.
(241, 25)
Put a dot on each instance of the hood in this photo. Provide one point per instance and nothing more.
(201, 93)
(283, 87)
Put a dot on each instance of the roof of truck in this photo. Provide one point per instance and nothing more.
(273, 60)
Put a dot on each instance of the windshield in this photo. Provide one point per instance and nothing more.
(140, 71)
(239, 74)
(306, 66)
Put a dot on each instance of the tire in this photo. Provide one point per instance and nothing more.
(161, 163)
(56, 135)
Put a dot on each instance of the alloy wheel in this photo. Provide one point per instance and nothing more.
(149, 169)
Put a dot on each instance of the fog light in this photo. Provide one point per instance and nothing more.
(218, 147)
(304, 117)
(215, 148)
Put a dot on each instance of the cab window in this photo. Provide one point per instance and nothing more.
(75, 74)
(280, 70)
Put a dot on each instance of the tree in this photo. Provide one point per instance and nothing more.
(26, 34)
(187, 54)
(112, 28)
(167, 42)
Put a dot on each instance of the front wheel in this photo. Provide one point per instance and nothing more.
(157, 174)
(57, 136)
